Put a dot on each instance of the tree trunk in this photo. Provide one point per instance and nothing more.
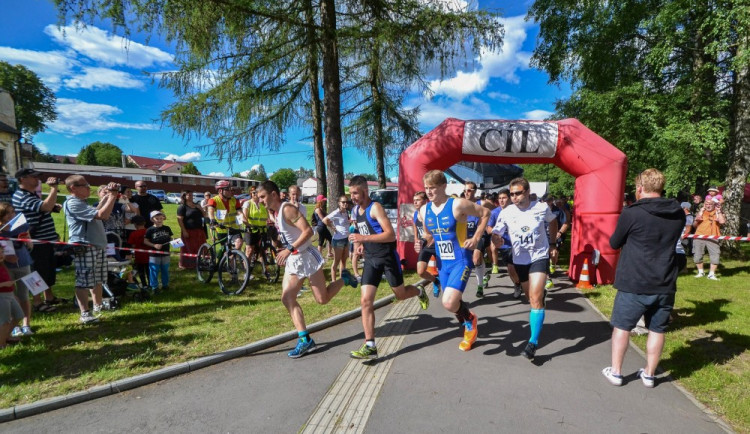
(315, 109)
(739, 146)
(377, 108)
(332, 99)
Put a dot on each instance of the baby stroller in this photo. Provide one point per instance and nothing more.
(118, 268)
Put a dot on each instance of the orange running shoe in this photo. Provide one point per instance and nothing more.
(470, 334)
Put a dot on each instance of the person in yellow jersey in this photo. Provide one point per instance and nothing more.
(256, 222)
(223, 210)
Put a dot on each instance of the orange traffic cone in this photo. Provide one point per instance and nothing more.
(432, 266)
(583, 280)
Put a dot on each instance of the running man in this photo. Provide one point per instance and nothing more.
(378, 241)
(470, 194)
(525, 221)
(301, 261)
(504, 251)
(446, 221)
(425, 248)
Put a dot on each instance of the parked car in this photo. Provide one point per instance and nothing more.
(174, 198)
(389, 200)
(160, 194)
(198, 197)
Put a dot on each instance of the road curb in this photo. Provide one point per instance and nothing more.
(57, 402)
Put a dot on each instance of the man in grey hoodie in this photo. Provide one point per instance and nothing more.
(647, 232)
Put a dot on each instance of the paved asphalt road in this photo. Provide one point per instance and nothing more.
(421, 383)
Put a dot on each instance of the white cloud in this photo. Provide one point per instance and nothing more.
(431, 113)
(244, 173)
(190, 156)
(99, 45)
(256, 166)
(94, 78)
(499, 96)
(216, 174)
(502, 64)
(79, 117)
(50, 66)
(42, 147)
(537, 114)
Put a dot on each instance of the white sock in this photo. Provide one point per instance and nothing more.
(480, 273)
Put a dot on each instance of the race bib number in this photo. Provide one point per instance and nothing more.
(363, 229)
(445, 250)
(221, 214)
(526, 239)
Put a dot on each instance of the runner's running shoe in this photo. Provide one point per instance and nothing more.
(348, 279)
(480, 291)
(424, 300)
(366, 352)
(302, 348)
(486, 279)
(549, 284)
(530, 351)
(470, 333)
(517, 291)
(436, 288)
(495, 270)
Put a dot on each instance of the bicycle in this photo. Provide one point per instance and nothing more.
(271, 275)
(233, 267)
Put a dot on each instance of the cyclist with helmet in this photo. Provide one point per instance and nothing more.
(223, 209)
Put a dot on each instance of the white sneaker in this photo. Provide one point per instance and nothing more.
(712, 277)
(700, 275)
(647, 381)
(614, 379)
(26, 330)
(87, 318)
(16, 332)
(98, 308)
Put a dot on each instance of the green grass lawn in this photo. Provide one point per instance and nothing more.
(189, 321)
(708, 346)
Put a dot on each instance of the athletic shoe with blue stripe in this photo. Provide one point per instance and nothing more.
(302, 348)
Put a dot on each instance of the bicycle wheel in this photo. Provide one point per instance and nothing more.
(272, 268)
(205, 263)
(234, 273)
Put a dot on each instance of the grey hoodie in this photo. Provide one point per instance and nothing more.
(648, 231)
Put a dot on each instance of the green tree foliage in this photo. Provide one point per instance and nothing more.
(380, 63)
(34, 102)
(190, 169)
(666, 81)
(560, 182)
(100, 154)
(42, 157)
(258, 174)
(284, 178)
(305, 173)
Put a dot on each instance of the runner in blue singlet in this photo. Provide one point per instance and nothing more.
(445, 221)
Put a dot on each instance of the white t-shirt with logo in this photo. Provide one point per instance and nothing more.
(527, 230)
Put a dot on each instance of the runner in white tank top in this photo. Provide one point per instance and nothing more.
(301, 260)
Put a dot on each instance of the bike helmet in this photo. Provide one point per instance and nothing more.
(222, 184)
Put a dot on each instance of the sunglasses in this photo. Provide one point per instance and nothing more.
(140, 186)
(81, 185)
(517, 193)
(470, 189)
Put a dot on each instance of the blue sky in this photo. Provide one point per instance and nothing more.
(103, 93)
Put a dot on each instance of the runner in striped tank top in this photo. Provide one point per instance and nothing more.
(301, 261)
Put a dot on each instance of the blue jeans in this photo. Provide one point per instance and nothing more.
(157, 264)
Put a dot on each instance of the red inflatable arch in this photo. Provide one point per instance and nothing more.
(598, 166)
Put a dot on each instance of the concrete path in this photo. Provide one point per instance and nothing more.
(420, 383)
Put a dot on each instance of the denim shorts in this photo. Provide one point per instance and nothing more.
(629, 307)
(340, 243)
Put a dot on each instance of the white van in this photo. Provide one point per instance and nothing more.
(389, 200)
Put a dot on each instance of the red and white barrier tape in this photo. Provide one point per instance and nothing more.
(62, 243)
(715, 237)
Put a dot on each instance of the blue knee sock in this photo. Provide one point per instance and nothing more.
(536, 319)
